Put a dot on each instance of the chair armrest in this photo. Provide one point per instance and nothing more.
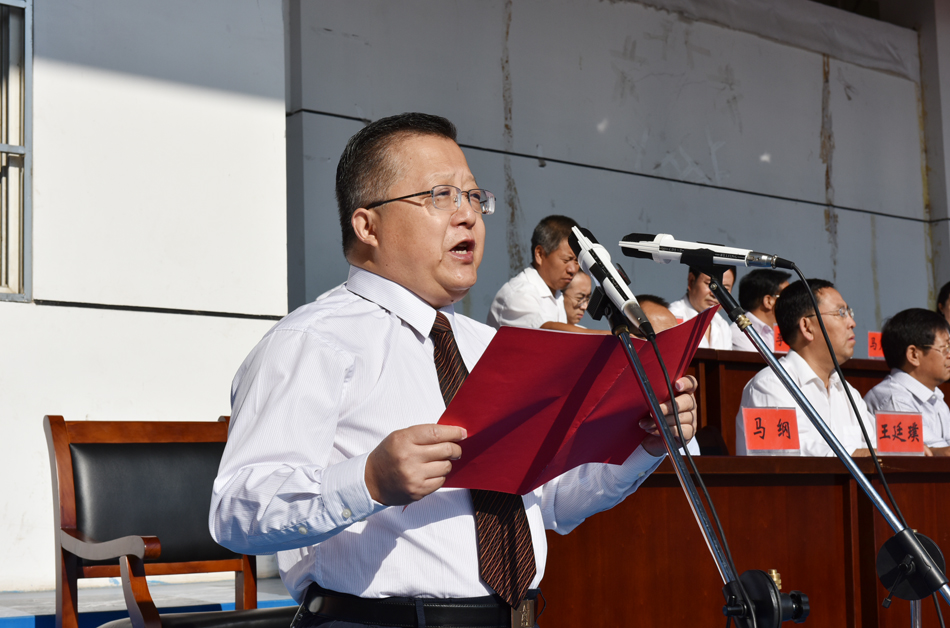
(78, 544)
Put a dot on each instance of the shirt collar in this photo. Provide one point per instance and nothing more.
(396, 299)
(758, 324)
(806, 374)
(690, 310)
(534, 278)
(916, 388)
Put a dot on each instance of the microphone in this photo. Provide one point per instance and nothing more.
(595, 259)
(663, 249)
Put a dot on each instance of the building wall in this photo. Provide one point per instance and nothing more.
(159, 183)
(632, 118)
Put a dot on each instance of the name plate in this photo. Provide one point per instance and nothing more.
(771, 429)
(875, 349)
(780, 345)
(900, 433)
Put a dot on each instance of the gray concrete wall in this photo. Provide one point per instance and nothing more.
(627, 118)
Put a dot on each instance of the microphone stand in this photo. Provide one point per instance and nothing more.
(753, 600)
(909, 562)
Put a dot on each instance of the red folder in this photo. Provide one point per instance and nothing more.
(540, 403)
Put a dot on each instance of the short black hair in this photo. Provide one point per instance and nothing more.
(944, 296)
(916, 326)
(366, 170)
(550, 232)
(758, 284)
(652, 298)
(795, 304)
(696, 271)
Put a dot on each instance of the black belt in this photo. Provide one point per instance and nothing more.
(407, 612)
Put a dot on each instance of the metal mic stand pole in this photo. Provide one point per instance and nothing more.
(922, 572)
(765, 607)
(618, 323)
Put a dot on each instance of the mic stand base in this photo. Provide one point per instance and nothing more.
(771, 607)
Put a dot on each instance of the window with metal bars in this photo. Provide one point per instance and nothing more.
(15, 143)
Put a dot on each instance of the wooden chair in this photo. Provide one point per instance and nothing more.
(131, 500)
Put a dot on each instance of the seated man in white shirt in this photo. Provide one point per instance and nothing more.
(577, 297)
(657, 311)
(916, 345)
(335, 459)
(758, 292)
(811, 368)
(534, 298)
(699, 298)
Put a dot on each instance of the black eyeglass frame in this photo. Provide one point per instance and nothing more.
(490, 199)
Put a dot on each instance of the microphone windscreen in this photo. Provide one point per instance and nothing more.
(573, 243)
(637, 237)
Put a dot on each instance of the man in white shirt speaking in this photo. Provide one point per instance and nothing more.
(811, 368)
(334, 458)
(699, 298)
(916, 345)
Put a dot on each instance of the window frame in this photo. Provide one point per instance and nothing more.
(24, 246)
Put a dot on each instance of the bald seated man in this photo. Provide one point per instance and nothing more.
(577, 297)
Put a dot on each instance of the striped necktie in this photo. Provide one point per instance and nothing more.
(505, 551)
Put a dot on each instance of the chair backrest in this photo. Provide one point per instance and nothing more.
(154, 489)
(113, 479)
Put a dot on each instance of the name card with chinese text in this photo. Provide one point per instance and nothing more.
(780, 345)
(900, 433)
(771, 429)
(875, 350)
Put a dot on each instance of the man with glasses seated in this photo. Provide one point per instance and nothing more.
(916, 345)
(811, 368)
(577, 297)
(334, 457)
(534, 297)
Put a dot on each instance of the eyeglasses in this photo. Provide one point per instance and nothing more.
(449, 198)
(580, 301)
(945, 350)
(843, 312)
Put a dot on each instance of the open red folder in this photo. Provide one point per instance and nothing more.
(540, 403)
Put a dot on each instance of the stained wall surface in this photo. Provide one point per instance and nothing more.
(628, 118)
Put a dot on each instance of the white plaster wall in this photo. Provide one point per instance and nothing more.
(160, 163)
(96, 365)
(159, 181)
(644, 121)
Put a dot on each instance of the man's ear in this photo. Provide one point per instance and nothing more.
(538, 255)
(366, 223)
(912, 355)
(768, 302)
(805, 329)
(690, 280)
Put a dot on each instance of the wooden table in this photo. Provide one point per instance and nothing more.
(644, 562)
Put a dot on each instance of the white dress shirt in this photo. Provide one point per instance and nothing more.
(899, 392)
(719, 335)
(741, 342)
(314, 397)
(766, 390)
(526, 301)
